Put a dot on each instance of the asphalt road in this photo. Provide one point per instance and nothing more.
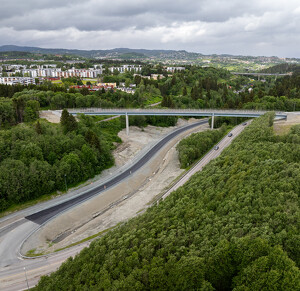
(15, 228)
(42, 216)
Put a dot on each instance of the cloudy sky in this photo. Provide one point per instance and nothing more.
(252, 27)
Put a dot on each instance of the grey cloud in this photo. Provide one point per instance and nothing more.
(14, 8)
(205, 26)
(92, 15)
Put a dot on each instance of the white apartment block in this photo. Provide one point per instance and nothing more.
(124, 68)
(57, 72)
(127, 90)
(13, 67)
(173, 69)
(45, 66)
(16, 80)
(52, 71)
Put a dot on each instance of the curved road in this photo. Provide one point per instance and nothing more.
(15, 230)
(46, 214)
(12, 267)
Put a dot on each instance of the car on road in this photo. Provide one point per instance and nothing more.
(216, 148)
(230, 134)
(245, 123)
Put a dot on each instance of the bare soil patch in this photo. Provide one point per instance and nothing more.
(282, 127)
(50, 116)
(123, 201)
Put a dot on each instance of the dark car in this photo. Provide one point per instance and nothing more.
(245, 123)
(230, 134)
(216, 148)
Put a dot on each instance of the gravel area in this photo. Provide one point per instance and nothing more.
(282, 127)
(121, 202)
(51, 116)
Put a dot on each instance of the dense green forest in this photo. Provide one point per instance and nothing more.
(282, 69)
(40, 158)
(197, 144)
(233, 226)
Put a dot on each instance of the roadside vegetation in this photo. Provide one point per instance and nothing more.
(39, 158)
(197, 144)
(233, 226)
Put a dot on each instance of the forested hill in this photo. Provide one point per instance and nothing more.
(117, 52)
(282, 69)
(233, 226)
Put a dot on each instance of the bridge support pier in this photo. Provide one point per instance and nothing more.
(212, 120)
(127, 124)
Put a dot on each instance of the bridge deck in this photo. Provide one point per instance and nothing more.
(174, 112)
(259, 74)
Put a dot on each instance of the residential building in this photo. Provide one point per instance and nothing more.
(17, 80)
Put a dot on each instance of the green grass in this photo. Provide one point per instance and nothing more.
(153, 100)
(56, 82)
(93, 81)
(282, 129)
(88, 238)
(110, 129)
(99, 118)
(18, 207)
(31, 253)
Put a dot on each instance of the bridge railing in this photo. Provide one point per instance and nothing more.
(260, 74)
(114, 111)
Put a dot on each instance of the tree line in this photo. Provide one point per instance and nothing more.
(197, 144)
(40, 158)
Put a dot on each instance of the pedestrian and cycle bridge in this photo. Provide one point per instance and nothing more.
(259, 75)
(173, 112)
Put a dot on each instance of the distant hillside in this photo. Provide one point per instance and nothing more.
(21, 55)
(9, 48)
(282, 69)
(113, 53)
(13, 54)
(222, 60)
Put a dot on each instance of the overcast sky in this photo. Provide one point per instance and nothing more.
(246, 27)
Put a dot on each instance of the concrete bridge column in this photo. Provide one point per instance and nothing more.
(127, 124)
(212, 120)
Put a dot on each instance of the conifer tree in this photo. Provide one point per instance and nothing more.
(38, 128)
(68, 121)
(64, 117)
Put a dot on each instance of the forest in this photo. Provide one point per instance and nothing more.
(197, 144)
(39, 158)
(233, 226)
